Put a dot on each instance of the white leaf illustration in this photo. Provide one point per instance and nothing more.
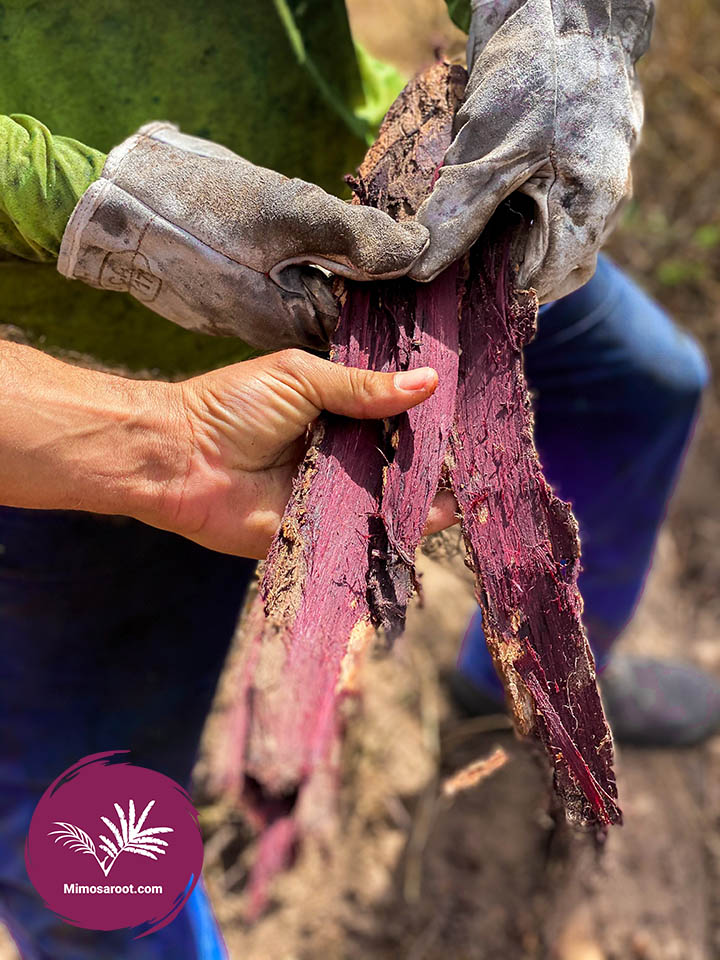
(156, 850)
(123, 822)
(129, 837)
(149, 842)
(143, 853)
(109, 846)
(143, 815)
(74, 838)
(111, 826)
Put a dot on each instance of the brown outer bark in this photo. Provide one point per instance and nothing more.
(342, 563)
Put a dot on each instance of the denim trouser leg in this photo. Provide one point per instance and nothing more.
(616, 391)
(112, 636)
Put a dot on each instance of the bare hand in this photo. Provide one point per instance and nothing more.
(245, 427)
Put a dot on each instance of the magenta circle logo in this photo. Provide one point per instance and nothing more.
(113, 845)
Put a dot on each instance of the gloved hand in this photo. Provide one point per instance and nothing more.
(217, 244)
(554, 111)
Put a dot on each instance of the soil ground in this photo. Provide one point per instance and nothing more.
(415, 876)
(487, 877)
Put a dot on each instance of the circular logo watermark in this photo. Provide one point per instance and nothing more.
(112, 845)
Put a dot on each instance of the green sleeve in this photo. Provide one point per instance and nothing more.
(460, 11)
(42, 177)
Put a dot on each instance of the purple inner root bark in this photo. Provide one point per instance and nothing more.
(425, 318)
(522, 541)
(342, 563)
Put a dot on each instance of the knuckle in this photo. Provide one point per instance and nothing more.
(289, 359)
(360, 383)
(289, 366)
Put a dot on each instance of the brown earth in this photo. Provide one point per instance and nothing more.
(417, 876)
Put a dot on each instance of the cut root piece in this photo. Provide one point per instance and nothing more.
(343, 562)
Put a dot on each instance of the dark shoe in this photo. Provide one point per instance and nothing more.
(649, 703)
(659, 703)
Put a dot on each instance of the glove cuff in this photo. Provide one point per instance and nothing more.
(102, 241)
(630, 22)
(486, 18)
(139, 229)
(95, 232)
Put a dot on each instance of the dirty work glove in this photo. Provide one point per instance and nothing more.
(553, 110)
(218, 245)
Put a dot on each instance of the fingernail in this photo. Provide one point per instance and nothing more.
(413, 380)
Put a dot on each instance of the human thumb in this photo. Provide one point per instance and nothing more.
(365, 394)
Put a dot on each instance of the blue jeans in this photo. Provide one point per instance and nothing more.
(112, 636)
(617, 388)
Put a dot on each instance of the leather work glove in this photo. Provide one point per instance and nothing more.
(553, 110)
(219, 245)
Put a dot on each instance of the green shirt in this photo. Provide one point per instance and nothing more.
(278, 81)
